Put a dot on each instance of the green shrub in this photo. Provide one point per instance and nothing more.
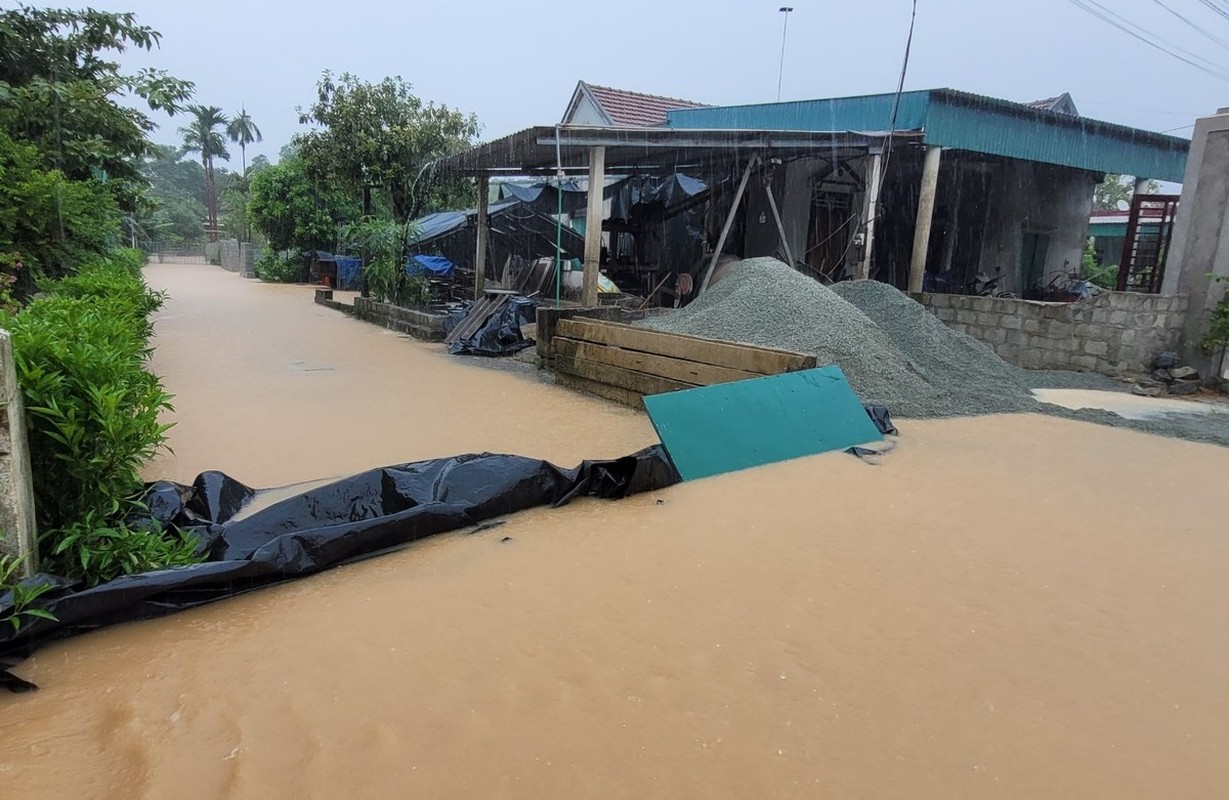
(1105, 276)
(279, 267)
(21, 594)
(98, 551)
(81, 353)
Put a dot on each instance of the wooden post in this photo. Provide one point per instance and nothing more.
(484, 230)
(776, 215)
(873, 179)
(18, 536)
(925, 215)
(593, 224)
(729, 221)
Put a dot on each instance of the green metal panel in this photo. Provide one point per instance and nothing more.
(732, 426)
(986, 125)
(866, 114)
(1108, 229)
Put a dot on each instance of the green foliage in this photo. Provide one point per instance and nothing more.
(243, 131)
(97, 551)
(1115, 189)
(292, 212)
(60, 92)
(279, 267)
(175, 203)
(1095, 273)
(80, 353)
(22, 594)
(46, 220)
(204, 135)
(1217, 338)
(384, 242)
(381, 134)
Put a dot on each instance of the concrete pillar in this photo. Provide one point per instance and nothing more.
(17, 531)
(874, 176)
(1141, 185)
(593, 224)
(925, 215)
(1200, 244)
(484, 231)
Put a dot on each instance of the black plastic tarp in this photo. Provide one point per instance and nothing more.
(501, 334)
(320, 528)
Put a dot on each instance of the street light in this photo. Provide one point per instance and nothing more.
(785, 10)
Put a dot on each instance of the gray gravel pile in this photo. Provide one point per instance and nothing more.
(976, 379)
(764, 302)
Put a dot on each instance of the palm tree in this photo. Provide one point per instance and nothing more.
(242, 131)
(203, 135)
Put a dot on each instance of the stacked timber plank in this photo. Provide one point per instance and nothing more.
(479, 313)
(624, 363)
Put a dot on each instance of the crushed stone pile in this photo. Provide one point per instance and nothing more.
(892, 350)
(950, 360)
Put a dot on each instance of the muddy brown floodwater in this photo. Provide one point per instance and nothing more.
(1007, 607)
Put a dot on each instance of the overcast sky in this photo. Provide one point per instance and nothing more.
(514, 63)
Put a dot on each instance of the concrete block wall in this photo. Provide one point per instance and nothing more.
(1114, 333)
(237, 256)
(419, 324)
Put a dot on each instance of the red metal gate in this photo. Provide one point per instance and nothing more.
(1146, 247)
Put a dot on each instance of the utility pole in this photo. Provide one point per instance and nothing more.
(785, 10)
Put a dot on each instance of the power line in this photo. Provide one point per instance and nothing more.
(1184, 127)
(1147, 33)
(1207, 34)
(1102, 13)
(1217, 8)
(887, 154)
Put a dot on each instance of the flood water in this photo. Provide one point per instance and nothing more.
(1005, 607)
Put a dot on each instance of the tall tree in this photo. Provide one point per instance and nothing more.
(71, 137)
(1115, 189)
(242, 131)
(204, 135)
(294, 213)
(382, 135)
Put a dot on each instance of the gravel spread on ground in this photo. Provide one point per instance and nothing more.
(894, 351)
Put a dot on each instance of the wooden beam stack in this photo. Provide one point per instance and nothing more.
(624, 363)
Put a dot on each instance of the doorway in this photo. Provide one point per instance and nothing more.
(1033, 251)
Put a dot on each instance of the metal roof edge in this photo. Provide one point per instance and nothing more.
(964, 98)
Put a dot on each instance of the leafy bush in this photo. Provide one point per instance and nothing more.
(98, 551)
(279, 267)
(1216, 340)
(21, 594)
(80, 352)
(48, 221)
(1105, 276)
(385, 242)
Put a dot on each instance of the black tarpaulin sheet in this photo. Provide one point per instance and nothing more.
(501, 334)
(320, 528)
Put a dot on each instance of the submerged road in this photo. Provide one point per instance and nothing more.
(274, 389)
(1006, 607)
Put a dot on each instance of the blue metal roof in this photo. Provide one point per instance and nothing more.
(965, 121)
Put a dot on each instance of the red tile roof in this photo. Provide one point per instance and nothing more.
(634, 109)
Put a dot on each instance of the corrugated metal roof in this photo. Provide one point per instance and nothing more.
(966, 121)
(635, 109)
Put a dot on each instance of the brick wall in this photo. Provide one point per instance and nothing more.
(1114, 333)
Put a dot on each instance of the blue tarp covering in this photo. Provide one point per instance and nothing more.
(349, 271)
(437, 266)
(433, 226)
